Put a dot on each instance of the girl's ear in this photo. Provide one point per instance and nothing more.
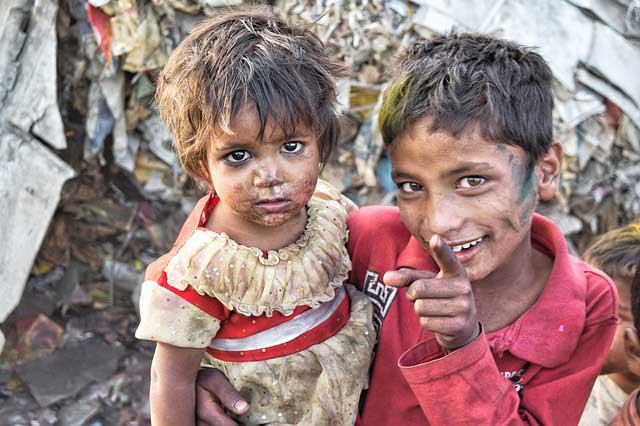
(632, 349)
(548, 170)
(206, 176)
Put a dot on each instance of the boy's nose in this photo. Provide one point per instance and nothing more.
(443, 216)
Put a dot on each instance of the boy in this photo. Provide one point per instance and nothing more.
(511, 329)
(617, 253)
(629, 415)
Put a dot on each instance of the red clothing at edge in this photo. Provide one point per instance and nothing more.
(538, 370)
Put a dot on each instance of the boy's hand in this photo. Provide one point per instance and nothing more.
(444, 302)
(214, 393)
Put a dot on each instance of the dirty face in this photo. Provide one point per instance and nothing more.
(264, 181)
(616, 361)
(478, 195)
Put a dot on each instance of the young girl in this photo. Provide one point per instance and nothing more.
(254, 288)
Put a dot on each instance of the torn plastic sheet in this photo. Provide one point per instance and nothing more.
(618, 14)
(27, 207)
(368, 147)
(101, 27)
(582, 105)
(614, 57)
(541, 24)
(605, 89)
(109, 91)
(160, 141)
(28, 88)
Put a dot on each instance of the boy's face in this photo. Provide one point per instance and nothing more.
(616, 361)
(477, 195)
(263, 181)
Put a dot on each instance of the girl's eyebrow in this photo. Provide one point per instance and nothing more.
(232, 146)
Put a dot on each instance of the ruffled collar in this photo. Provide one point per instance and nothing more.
(246, 280)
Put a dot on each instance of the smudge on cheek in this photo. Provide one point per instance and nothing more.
(527, 186)
(528, 206)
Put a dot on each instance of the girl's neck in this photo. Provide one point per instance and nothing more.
(251, 234)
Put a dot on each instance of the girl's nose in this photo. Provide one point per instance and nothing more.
(267, 175)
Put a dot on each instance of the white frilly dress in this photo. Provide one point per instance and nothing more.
(281, 325)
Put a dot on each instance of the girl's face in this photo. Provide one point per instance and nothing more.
(264, 181)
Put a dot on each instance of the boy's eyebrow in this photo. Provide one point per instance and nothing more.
(401, 175)
(469, 166)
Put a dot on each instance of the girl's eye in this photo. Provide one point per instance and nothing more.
(471, 182)
(292, 147)
(237, 157)
(409, 187)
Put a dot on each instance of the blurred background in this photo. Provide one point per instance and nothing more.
(91, 191)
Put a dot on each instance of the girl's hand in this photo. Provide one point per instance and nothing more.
(444, 302)
(214, 393)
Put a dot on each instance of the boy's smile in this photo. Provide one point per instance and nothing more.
(479, 196)
(264, 183)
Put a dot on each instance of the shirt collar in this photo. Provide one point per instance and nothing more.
(548, 332)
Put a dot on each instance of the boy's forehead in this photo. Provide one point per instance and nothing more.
(423, 138)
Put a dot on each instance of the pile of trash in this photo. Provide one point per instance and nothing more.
(92, 191)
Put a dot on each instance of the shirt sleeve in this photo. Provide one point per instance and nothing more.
(181, 318)
(478, 394)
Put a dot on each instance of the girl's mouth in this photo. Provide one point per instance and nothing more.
(273, 205)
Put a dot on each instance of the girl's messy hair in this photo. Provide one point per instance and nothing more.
(244, 58)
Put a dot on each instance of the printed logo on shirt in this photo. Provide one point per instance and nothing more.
(380, 295)
(515, 377)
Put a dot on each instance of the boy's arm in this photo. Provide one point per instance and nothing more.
(173, 385)
(478, 394)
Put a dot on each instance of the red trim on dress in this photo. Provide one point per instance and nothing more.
(320, 333)
(208, 304)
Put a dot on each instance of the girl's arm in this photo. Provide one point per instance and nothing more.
(173, 385)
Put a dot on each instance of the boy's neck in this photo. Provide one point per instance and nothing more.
(514, 287)
(627, 382)
(251, 234)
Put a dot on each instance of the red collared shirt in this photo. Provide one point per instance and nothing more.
(538, 370)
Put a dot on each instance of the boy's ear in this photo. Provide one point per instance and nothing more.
(548, 170)
(632, 350)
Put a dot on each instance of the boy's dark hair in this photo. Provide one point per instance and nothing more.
(635, 301)
(248, 57)
(465, 80)
(616, 252)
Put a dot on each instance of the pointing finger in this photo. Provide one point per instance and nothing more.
(403, 277)
(445, 258)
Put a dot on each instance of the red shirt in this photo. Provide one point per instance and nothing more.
(538, 370)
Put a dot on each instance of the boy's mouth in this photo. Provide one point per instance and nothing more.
(457, 248)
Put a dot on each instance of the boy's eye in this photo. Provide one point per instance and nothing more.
(409, 187)
(471, 182)
(292, 147)
(237, 157)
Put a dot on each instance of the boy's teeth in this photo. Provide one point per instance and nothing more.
(465, 246)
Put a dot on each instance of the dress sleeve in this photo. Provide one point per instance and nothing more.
(478, 394)
(181, 318)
